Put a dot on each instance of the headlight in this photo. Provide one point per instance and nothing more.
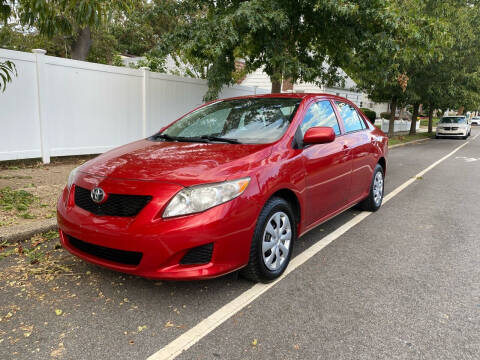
(202, 197)
(71, 177)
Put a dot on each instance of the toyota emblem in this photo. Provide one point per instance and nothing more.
(97, 195)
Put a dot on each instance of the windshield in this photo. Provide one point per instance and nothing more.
(453, 120)
(250, 121)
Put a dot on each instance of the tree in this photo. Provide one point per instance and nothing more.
(381, 68)
(450, 79)
(71, 18)
(289, 39)
(7, 70)
(139, 31)
(14, 37)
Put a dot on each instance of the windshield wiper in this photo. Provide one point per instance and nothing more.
(202, 139)
(216, 138)
(164, 136)
(178, 138)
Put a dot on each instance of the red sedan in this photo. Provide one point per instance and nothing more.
(229, 186)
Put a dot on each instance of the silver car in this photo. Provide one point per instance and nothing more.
(475, 120)
(458, 126)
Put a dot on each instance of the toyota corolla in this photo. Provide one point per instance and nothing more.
(229, 186)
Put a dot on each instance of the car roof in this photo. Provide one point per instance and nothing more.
(290, 95)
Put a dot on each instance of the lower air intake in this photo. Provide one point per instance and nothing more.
(198, 255)
(115, 255)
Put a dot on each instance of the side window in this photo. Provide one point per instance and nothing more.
(351, 119)
(320, 114)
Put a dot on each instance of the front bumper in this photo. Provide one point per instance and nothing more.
(456, 132)
(161, 242)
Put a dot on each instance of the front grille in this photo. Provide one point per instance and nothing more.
(454, 128)
(198, 255)
(115, 255)
(115, 205)
(447, 128)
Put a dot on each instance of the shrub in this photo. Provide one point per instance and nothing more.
(372, 115)
(385, 115)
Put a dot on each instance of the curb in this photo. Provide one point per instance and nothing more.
(27, 234)
(409, 143)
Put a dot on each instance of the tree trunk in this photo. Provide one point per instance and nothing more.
(81, 46)
(460, 111)
(413, 123)
(393, 110)
(430, 119)
(276, 85)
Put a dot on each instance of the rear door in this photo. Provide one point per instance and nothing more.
(327, 166)
(358, 140)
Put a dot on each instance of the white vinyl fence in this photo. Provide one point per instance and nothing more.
(59, 107)
(398, 126)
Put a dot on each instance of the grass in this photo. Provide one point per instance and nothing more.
(14, 177)
(402, 139)
(36, 163)
(15, 199)
(424, 122)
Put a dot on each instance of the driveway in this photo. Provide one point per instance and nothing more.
(402, 283)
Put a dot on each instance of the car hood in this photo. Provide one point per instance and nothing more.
(182, 163)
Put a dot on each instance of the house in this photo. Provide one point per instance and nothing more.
(261, 80)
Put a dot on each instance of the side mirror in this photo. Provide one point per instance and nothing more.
(319, 135)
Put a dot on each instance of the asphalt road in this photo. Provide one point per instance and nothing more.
(402, 284)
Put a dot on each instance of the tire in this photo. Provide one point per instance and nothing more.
(437, 137)
(274, 215)
(375, 196)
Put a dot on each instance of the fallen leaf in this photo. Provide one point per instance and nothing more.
(141, 328)
(254, 342)
(58, 312)
(58, 352)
